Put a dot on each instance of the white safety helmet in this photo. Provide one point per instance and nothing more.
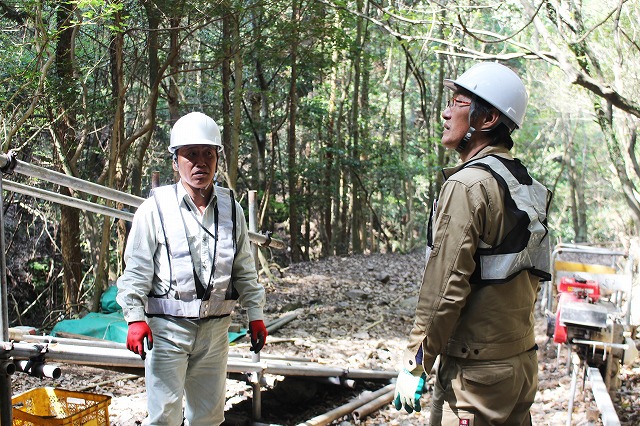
(194, 128)
(497, 85)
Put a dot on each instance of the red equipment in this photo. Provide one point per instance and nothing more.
(572, 293)
(582, 289)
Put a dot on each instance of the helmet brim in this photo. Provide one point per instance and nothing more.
(449, 84)
(173, 149)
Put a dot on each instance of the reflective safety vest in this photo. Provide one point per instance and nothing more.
(186, 296)
(526, 246)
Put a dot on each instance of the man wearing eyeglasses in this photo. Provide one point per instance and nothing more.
(188, 265)
(488, 250)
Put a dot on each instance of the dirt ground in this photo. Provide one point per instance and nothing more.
(354, 313)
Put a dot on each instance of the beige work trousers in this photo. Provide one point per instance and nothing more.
(188, 359)
(485, 393)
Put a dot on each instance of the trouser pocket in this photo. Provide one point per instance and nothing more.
(477, 392)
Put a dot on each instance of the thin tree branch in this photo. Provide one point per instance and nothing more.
(503, 39)
(9, 12)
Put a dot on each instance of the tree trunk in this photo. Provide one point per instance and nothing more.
(328, 185)
(261, 128)
(237, 105)
(154, 17)
(65, 131)
(583, 75)
(227, 34)
(341, 213)
(262, 145)
(363, 157)
(255, 111)
(406, 184)
(356, 202)
(293, 179)
(117, 134)
(172, 97)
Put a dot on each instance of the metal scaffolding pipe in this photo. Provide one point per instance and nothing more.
(69, 181)
(578, 248)
(574, 379)
(93, 189)
(272, 357)
(38, 369)
(343, 410)
(375, 404)
(118, 357)
(66, 200)
(283, 368)
(282, 321)
(255, 237)
(371, 374)
(266, 241)
(32, 338)
(76, 354)
(5, 378)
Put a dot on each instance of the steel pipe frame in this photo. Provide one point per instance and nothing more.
(120, 357)
(115, 355)
(66, 200)
(32, 338)
(70, 182)
(5, 379)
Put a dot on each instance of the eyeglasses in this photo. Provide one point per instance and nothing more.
(456, 102)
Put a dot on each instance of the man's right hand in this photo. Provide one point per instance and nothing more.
(138, 330)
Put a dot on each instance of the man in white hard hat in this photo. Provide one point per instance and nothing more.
(488, 250)
(188, 262)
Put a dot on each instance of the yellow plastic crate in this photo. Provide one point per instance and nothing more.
(52, 406)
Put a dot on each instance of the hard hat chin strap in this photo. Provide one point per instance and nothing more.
(465, 140)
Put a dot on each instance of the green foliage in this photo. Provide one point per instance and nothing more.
(393, 165)
(39, 272)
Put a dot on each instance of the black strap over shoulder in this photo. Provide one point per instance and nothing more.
(232, 293)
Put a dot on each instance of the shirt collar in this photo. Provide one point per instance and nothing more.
(184, 196)
(487, 150)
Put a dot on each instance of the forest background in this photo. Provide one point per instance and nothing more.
(330, 110)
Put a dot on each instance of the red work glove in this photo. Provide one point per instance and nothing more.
(138, 330)
(258, 333)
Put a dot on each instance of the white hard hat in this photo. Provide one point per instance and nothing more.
(496, 84)
(194, 128)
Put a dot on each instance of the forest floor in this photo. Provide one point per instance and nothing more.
(355, 313)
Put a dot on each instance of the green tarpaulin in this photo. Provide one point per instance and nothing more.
(109, 324)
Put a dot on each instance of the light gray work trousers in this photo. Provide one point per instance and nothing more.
(189, 358)
(483, 393)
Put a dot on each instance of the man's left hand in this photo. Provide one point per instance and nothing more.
(258, 333)
(410, 385)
